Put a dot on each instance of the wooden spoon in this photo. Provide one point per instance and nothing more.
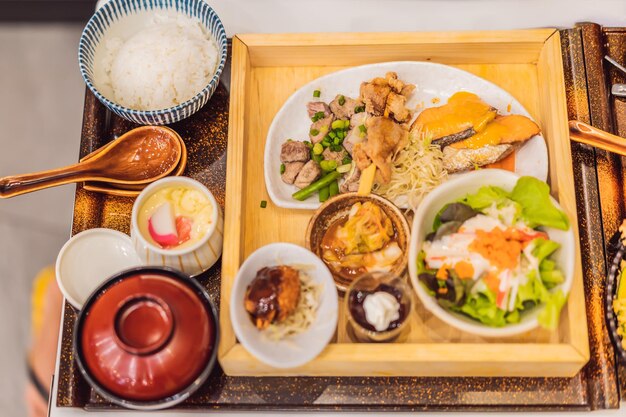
(140, 156)
(589, 135)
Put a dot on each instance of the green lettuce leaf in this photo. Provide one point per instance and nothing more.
(530, 294)
(485, 197)
(548, 318)
(481, 306)
(549, 274)
(537, 208)
(544, 248)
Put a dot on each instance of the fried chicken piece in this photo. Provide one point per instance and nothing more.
(384, 139)
(374, 95)
(273, 295)
(398, 85)
(377, 93)
(396, 107)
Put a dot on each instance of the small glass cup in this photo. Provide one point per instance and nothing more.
(371, 283)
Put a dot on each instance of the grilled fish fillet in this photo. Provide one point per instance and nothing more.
(464, 115)
(456, 160)
(504, 129)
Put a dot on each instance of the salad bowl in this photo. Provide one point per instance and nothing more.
(455, 190)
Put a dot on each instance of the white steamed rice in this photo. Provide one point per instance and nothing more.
(163, 65)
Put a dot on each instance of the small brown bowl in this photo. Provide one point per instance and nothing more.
(338, 208)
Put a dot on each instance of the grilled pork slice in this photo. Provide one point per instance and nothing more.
(294, 151)
(351, 183)
(309, 173)
(320, 128)
(504, 129)
(317, 106)
(456, 160)
(292, 169)
(334, 156)
(345, 110)
(464, 115)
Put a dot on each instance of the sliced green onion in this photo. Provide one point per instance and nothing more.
(323, 182)
(341, 134)
(342, 100)
(362, 128)
(362, 134)
(325, 143)
(333, 188)
(359, 109)
(317, 93)
(335, 148)
(282, 168)
(317, 158)
(328, 165)
(263, 203)
(337, 141)
(344, 168)
(337, 124)
(346, 124)
(317, 116)
(309, 144)
(346, 160)
(314, 132)
(332, 134)
(318, 149)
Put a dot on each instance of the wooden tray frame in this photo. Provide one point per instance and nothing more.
(533, 57)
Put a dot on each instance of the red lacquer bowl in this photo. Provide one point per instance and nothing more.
(147, 338)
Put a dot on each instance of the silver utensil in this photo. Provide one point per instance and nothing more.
(618, 90)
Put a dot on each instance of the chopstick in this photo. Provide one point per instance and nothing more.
(589, 135)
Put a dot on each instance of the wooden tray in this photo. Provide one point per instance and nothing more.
(266, 69)
(594, 387)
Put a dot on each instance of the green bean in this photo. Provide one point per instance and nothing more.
(334, 188)
(306, 192)
(324, 194)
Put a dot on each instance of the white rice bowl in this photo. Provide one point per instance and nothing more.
(167, 62)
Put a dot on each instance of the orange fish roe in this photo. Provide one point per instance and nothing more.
(464, 270)
(501, 248)
(442, 273)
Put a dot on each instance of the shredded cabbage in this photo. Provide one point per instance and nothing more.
(415, 171)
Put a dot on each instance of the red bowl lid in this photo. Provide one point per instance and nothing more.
(147, 336)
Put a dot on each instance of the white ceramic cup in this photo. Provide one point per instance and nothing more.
(192, 260)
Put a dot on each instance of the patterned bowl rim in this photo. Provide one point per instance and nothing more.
(612, 283)
(148, 5)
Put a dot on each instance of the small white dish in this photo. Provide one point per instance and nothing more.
(456, 189)
(299, 349)
(435, 84)
(90, 258)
